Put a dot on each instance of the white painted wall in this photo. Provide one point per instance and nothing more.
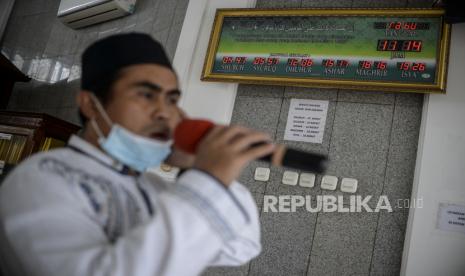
(440, 175)
(208, 100)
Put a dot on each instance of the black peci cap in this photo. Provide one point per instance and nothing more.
(106, 57)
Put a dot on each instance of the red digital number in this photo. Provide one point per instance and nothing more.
(240, 60)
(385, 44)
(402, 25)
(416, 45)
(406, 45)
(395, 25)
(381, 65)
(418, 67)
(258, 61)
(292, 62)
(411, 45)
(328, 62)
(392, 45)
(404, 66)
(366, 64)
(410, 26)
(306, 62)
(227, 59)
(342, 63)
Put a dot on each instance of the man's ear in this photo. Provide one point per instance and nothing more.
(86, 104)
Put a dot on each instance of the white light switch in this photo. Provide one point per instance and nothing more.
(329, 182)
(262, 174)
(290, 178)
(307, 180)
(349, 185)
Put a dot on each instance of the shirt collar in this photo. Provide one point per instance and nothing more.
(94, 152)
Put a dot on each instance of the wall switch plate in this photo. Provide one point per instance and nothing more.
(349, 185)
(329, 182)
(290, 178)
(307, 180)
(262, 174)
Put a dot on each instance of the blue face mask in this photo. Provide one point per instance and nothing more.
(135, 151)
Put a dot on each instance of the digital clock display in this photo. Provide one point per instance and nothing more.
(265, 61)
(411, 66)
(231, 60)
(335, 63)
(399, 45)
(387, 48)
(401, 25)
(304, 62)
(367, 64)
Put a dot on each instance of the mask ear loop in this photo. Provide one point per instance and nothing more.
(96, 128)
(100, 109)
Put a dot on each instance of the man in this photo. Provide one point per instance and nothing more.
(88, 209)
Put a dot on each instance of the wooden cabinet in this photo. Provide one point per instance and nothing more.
(22, 134)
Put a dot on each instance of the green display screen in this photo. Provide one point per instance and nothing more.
(382, 48)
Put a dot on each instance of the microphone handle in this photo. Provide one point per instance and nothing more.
(297, 159)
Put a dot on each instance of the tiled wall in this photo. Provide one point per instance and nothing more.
(49, 52)
(370, 136)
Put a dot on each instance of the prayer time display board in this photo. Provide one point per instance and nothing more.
(401, 50)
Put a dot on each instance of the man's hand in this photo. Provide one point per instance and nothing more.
(225, 151)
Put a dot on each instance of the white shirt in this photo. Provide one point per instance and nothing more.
(72, 211)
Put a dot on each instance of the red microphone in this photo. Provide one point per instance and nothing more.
(189, 133)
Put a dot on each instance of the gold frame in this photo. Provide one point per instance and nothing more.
(438, 87)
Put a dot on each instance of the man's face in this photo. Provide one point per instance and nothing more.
(144, 100)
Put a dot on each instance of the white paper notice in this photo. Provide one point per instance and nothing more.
(306, 121)
(451, 217)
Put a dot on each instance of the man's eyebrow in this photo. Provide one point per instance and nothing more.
(149, 85)
(155, 87)
(175, 92)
